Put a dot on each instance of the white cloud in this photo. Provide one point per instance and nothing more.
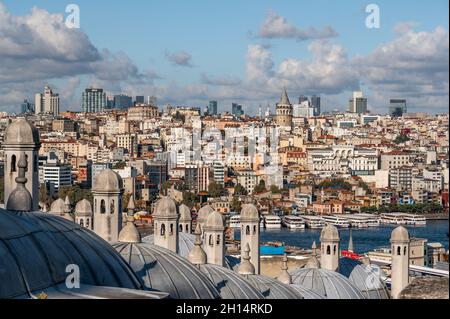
(276, 26)
(180, 58)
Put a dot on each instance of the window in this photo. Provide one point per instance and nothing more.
(181, 228)
(254, 230)
(218, 240)
(187, 228)
(210, 240)
(81, 223)
(13, 163)
(87, 222)
(334, 250)
(102, 207)
(171, 229)
(247, 230)
(398, 251)
(404, 250)
(111, 207)
(328, 250)
(163, 229)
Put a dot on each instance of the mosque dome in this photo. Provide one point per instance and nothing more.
(215, 220)
(58, 207)
(185, 244)
(229, 284)
(36, 248)
(364, 277)
(21, 132)
(129, 233)
(400, 234)
(108, 181)
(165, 207)
(327, 283)
(163, 270)
(83, 208)
(271, 288)
(249, 212)
(306, 293)
(329, 233)
(203, 213)
(185, 213)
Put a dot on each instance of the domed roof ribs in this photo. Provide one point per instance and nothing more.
(20, 198)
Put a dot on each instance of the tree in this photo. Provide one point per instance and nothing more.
(402, 138)
(189, 199)
(240, 190)
(261, 187)
(336, 183)
(235, 205)
(75, 193)
(275, 189)
(215, 189)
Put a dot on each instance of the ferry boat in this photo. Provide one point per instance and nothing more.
(313, 221)
(272, 222)
(293, 222)
(336, 220)
(371, 220)
(392, 218)
(416, 220)
(358, 221)
(235, 221)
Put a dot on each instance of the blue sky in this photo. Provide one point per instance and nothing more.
(217, 34)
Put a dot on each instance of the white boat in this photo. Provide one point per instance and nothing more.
(272, 222)
(313, 221)
(358, 221)
(371, 220)
(235, 221)
(338, 221)
(293, 222)
(416, 220)
(392, 218)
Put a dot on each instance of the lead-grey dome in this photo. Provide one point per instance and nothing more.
(215, 220)
(20, 133)
(108, 181)
(271, 288)
(36, 248)
(306, 293)
(58, 207)
(163, 270)
(367, 278)
(165, 207)
(329, 233)
(400, 234)
(186, 243)
(229, 284)
(249, 212)
(327, 283)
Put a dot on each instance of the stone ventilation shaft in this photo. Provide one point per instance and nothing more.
(329, 241)
(250, 233)
(166, 220)
(400, 260)
(20, 198)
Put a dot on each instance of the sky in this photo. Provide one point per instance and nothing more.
(190, 52)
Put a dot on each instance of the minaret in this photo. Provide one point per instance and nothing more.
(107, 191)
(165, 222)
(400, 260)
(329, 241)
(250, 233)
(246, 267)
(185, 219)
(350, 243)
(22, 139)
(197, 255)
(20, 198)
(214, 243)
(285, 277)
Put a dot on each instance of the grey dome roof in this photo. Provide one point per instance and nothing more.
(327, 283)
(185, 213)
(249, 212)
(163, 270)
(129, 233)
(58, 207)
(400, 233)
(165, 207)
(306, 293)
(329, 233)
(203, 213)
(271, 288)
(108, 181)
(35, 249)
(365, 277)
(229, 284)
(83, 208)
(215, 220)
(186, 243)
(21, 132)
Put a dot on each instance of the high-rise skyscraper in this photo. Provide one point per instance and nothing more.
(47, 102)
(302, 98)
(315, 103)
(212, 108)
(94, 100)
(122, 101)
(236, 109)
(140, 99)
(26, 107)
(397, 107)
(358, 103)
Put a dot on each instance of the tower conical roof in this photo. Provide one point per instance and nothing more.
(284, 98)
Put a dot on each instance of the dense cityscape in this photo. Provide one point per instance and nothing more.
(107, 194)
